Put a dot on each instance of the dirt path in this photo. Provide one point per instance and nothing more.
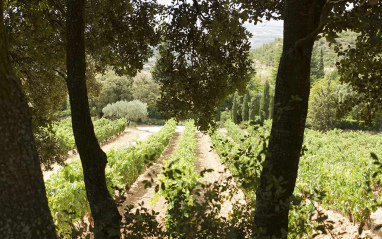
(345, 229)
(123, 140)
(138, 193)
(207, 158)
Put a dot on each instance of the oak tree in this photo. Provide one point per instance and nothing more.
(23, 203)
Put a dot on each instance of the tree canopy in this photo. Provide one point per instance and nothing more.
(204, 55)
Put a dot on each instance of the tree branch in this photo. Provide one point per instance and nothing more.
(63, 75)
(323, 21)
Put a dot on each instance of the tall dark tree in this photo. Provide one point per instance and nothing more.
(271, 105)
(235, 109)
(291, 104)
(265, 102)
(119, 35)
(254, 106)
(303, 21)
(23, 204)
(317, 65)
(104, 211)
(245, 107)
(321, 65)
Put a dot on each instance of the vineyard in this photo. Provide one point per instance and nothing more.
(66, 189)
(336, 170)
(330, 178)
(103, 128)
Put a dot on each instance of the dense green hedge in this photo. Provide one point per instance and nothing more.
(66, 189)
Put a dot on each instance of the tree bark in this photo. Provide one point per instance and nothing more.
(104, 211)
(24, 211)
(278, 177)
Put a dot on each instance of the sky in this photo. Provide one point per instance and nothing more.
(262, 33)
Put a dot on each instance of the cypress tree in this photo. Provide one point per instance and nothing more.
(245, 107)
(235, 116)
(320, 67)
(264, 106)
(271, 106)
(254, 107)
(317, 65)
(217, 118)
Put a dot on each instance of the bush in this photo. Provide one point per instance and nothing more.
(354, 125)
(133, 110)
(322, 105)
(225, 115)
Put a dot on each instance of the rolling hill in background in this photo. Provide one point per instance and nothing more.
(264, 32)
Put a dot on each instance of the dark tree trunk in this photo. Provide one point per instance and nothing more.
(24, 211)
(104, 211)
(301, 17)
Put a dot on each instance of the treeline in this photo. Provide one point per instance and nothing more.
(269, 54)
(332, 104)
(253, 106)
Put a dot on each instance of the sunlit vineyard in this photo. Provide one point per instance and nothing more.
(66, 189)
(103, 128)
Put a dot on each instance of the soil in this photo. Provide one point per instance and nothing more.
(207, 158)
(345, 229)
(123, 140)
(138, 194)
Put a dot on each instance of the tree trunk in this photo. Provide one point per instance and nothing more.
(104, 211)
(24, 211)
(279, 175)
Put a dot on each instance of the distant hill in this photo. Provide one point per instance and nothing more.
(264, 32)
(268, 52)
(266, 42)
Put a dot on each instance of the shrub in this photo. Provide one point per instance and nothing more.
(322, 105)
(133, 110)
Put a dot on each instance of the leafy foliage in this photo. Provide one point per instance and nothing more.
(342, 173)
(323, 104)
(178, 182)
(205, 55)
(66, 189)
(145, 89)
(193, 207)
(113, 88)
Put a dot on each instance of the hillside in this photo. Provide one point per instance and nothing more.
(269, 52)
